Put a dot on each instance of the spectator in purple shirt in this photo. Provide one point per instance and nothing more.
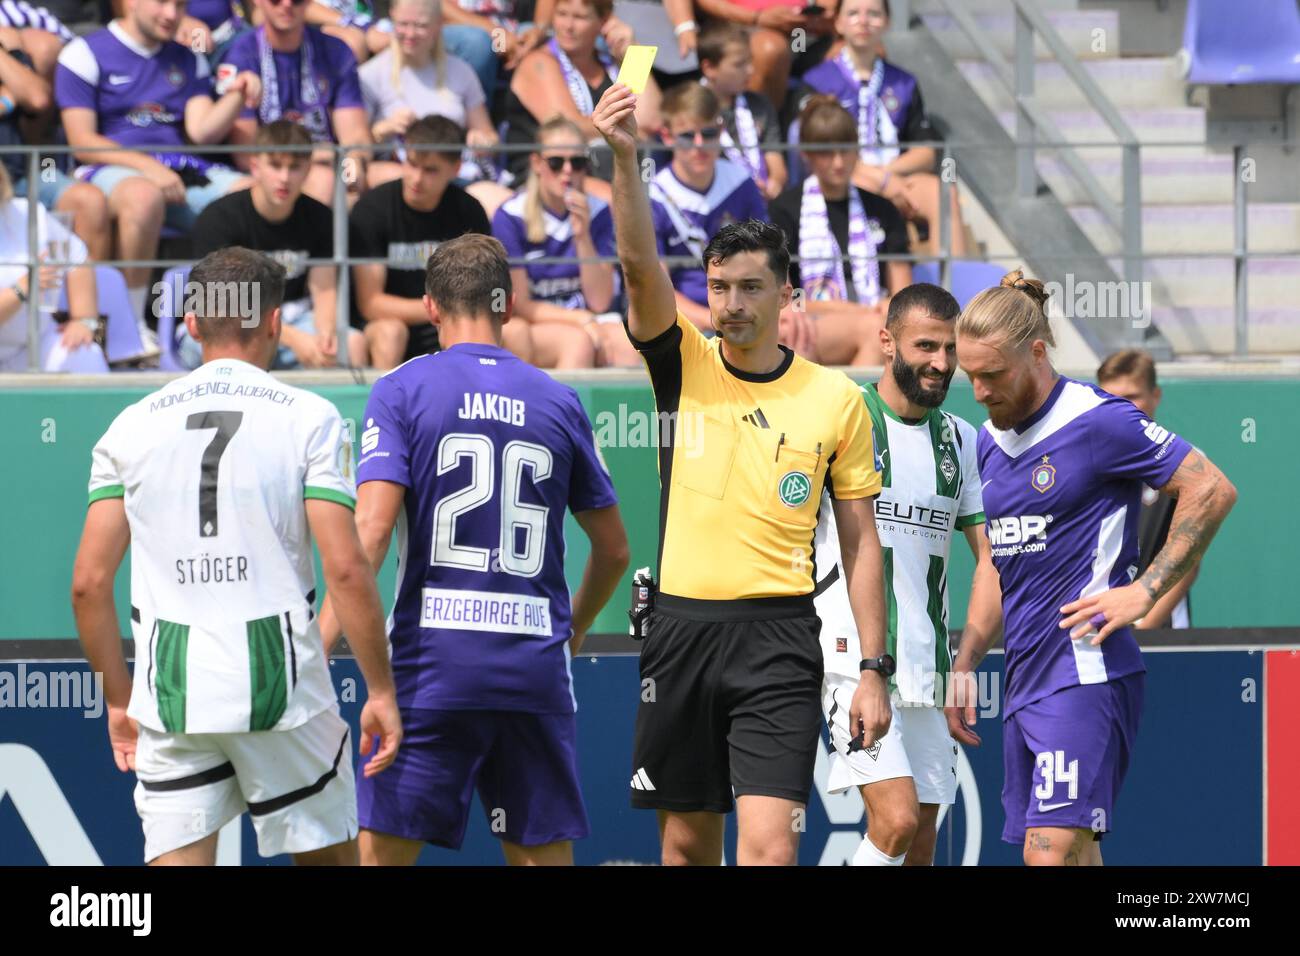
(128, 95)
(307, 77)
(26, 95)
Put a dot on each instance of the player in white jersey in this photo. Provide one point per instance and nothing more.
(930, 488)
(219, 481)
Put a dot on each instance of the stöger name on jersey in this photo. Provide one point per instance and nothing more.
(499, 408)
(210, 569)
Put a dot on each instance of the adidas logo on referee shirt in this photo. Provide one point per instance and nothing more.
(641, 780)
(756, 418)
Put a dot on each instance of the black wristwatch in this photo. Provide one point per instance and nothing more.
(884, 663)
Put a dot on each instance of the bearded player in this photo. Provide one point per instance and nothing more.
(930, 489)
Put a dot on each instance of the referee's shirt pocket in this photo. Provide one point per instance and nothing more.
(794, 488)
(704, 463)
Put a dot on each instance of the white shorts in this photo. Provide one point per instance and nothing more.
(917, 745)
(296, 784)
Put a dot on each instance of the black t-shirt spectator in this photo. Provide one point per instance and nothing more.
(383, 226)
(785, 213)
(232, 220)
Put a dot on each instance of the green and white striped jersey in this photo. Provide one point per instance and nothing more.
(214, 469)
(930, 486)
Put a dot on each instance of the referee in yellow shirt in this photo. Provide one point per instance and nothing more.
(732, 646)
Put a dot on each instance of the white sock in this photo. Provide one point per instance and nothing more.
(868, 854)
(137, 297)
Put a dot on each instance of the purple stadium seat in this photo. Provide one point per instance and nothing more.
(1226, 41)
(88, 360)
(968, 278)
(123, 333)
(173, 296)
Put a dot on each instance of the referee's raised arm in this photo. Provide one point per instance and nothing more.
(653, 309)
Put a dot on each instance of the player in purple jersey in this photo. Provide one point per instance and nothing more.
(1063, 465)
(131, 85)
(308, 77)
(697, 194)
(474, 455)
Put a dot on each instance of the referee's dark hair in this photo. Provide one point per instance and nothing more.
(752, 235)
(925, 297)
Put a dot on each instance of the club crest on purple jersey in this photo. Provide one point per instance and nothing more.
(1044, 476)
(175, 76)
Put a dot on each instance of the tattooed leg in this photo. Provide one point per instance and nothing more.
(1058, 846)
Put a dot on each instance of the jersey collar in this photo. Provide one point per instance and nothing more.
(1043, 409)
(124, 38)
(787, 360)
(923, 421)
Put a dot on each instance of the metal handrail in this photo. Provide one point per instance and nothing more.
(1126, 217)
(1241, 254)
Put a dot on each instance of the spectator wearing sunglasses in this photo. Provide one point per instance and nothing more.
(697, 194)
(566, 303)
(307, 77)
(568, 75)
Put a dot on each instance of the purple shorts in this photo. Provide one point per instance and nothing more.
(524, 766)
(1064, 757)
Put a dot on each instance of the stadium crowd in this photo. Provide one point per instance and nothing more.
(422, 98)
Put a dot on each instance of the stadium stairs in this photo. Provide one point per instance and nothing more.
(1187, 190)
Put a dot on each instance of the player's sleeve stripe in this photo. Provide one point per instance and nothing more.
(80, 59)
(965, 521)
(329, 494)
(108, 491)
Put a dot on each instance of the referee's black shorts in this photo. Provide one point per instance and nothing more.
(727, 706)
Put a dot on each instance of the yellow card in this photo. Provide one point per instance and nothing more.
(635, 70)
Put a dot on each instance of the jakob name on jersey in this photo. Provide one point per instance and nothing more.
(214, 469)
(1063, 492)
(491, 452)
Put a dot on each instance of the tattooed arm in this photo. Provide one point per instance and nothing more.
(1205, 496)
